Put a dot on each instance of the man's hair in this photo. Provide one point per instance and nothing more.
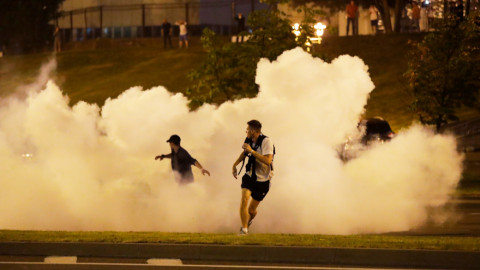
(255, 125)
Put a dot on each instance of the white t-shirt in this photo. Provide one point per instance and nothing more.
(263, 171)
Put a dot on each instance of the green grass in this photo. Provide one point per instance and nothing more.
(354, 241)
(93, 75)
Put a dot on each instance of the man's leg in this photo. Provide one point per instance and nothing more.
(252, 209)
(348, 24)
(354, 26)
(244, 209)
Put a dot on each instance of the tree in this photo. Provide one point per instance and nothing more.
(385, 13)
(24, 24)
(399, 6)
(229, 71)
(443, 72)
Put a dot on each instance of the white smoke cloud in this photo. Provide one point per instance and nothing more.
(93, 168)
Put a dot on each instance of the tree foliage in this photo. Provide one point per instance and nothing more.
(443, 72)
(24, 24)
(229, 71)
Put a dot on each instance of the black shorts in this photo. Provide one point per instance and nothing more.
(259, 189)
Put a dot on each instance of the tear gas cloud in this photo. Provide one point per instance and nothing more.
(93, 168)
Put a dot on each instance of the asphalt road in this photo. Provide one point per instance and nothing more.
(117, 266)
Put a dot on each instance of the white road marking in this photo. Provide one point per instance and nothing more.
(166, 262)
(60, 259)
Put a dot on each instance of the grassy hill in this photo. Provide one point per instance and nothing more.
(386, 57)
(95, 70)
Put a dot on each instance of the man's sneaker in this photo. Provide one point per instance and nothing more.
(243, 231)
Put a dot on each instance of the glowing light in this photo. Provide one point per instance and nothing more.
(320, 27)
(319, 31)
(27, 155)
(296, 29)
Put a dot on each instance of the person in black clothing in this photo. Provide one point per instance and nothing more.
(181, 161)
(458, 10)
(240, 26)
(166, 33)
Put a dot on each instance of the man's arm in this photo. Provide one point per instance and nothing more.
(198, 165)
(265, 159)
(239, 159)
(163, 156)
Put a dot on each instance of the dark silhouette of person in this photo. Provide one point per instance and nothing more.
(458, 9)
(352, 17)
(57, 40)
(181, 161)
(240, 26)
(166, 26)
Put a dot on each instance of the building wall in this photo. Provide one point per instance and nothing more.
(90, 19)
(123, 13)
(224, 13)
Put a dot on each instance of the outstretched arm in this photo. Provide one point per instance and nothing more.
(162, 156)
(198, 165)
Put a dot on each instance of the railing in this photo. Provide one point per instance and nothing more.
(144, 20)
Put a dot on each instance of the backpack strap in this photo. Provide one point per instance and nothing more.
(251, 158)
(247, 140)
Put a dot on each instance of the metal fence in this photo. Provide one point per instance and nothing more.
(145, 20)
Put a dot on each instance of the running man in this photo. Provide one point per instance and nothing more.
(181, 161)
(259, 170)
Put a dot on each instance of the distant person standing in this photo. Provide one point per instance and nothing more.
(240, 26)
(259, 171)
(416, 16)
(181, 161)
(423, 17)
(57, 40)
(459, 10)
(373, 18)
(166, 26)
(182, 38)
(352, 17)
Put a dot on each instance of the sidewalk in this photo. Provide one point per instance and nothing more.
(311, 256)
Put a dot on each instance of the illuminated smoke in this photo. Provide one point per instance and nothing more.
(91, 168)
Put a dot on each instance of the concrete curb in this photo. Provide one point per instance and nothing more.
(253, 254)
